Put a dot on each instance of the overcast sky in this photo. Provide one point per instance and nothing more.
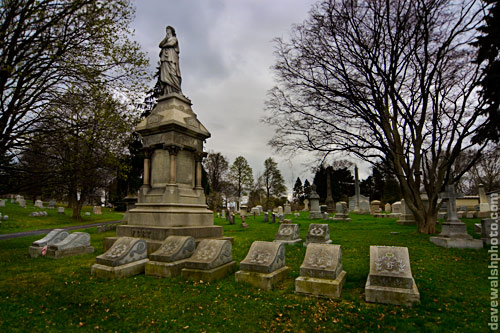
(226, 52)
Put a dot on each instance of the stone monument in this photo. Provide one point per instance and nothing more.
(75, 244)
(288, 209)
(453, 231)
(171, 200)
(315, 212)
(127, 257)
(342, 213)
(212, 260)
(288, 234)
(318, 233)
(484, 205)
(406, 215)
(390, 280)
(170, 258)
(39, 247)
(263, 266)
(321, 272)
(306, 205)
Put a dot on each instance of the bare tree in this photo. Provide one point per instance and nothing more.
(241, 175)
(386, 81)
(49, 46)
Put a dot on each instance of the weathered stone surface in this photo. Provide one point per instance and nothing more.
(406, 215)
(96, 210)
(390, 279)
(124, 251)
(39, 203)
(453, 231)
(396, 207)
(264, 265)
(74, 244)
(489, 230)
(52, 204)
(117, 272)
(174, 248)
(264, 257)
(288, 234)
(288, 209)
(342, 213)
(318, 233)
(211, 253)
(388, 208)
(60, 210)
(322, 261)
(320, 287)
(75, 239)
(265, 281)
(209, 275)
(315, 211)
(53, 237)
(2, 203)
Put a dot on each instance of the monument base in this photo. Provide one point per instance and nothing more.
(154, 236)
(406, 220)
(390, 295)
(320, 287)
(315, 215)
(264, 281)
(458, 243)
(340, 219)
(164, 269)
(210, 274)
(57, 254)
(117, 272)
(289, 242)
(307, 243)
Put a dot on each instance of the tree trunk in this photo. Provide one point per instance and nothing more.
(428, 226)
(77, 209)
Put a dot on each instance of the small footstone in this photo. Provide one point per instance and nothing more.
(53, 237)
(288, 234)
(390, 280)
(169, 259)
(264, 265)
(321, 273)
(75, 244)
(212, 260)
(127, 257)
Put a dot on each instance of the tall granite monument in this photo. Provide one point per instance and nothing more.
(171, 200)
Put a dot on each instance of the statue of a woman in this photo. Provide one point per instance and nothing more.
(170, 73)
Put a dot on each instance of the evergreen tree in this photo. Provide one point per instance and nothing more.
(298, 191)
(273, 181)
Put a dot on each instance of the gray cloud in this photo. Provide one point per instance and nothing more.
(226, 55)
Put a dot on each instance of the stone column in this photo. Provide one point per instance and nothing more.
(172, 150)
(147, 167)
(198, 157)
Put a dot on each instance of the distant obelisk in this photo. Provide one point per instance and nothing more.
(356, 190)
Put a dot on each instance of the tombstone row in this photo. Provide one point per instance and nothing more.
(59, 243)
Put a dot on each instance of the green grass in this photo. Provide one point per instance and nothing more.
(20, 219)
(60, 295)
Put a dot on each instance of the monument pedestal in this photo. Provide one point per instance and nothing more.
(171, 201)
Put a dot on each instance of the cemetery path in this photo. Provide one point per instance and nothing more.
(46, 231)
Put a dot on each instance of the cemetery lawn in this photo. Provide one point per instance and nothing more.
(45, 294)
(20, 219)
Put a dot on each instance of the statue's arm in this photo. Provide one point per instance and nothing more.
(172, 41)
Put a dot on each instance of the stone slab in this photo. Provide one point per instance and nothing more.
(458, 243)
(210, 254)
(323, 261)
(209, 275)
(390, 267)
(320, 287)
(318, 233)
(390, 295)
(124, 251)
(265, 281)
(288, 232)
(174, 248)
(164, 269)
(264, 257)
(117, 272)
(69, 252)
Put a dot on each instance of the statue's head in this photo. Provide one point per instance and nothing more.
(172, 30)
